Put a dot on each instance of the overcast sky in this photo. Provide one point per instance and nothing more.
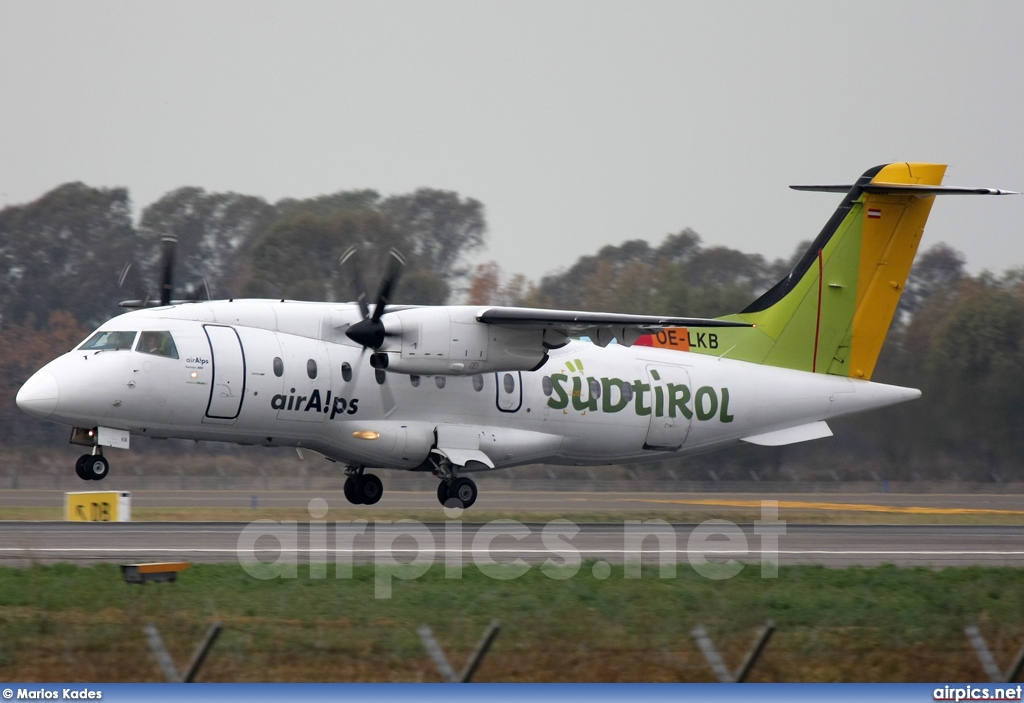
(577, 124)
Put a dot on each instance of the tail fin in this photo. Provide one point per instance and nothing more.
(833, 310)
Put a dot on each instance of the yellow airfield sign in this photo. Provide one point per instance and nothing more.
(98, 506)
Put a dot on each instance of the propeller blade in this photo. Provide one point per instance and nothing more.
(357, 282)
(167, 281)
(203, 290)
(124, 274)
(387, 397)
(387, 285)
(370, 332)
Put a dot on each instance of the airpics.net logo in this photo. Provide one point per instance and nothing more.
(505, 549)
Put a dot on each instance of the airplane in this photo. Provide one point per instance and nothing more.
(456, 389)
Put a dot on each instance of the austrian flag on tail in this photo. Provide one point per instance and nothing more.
(874, 213)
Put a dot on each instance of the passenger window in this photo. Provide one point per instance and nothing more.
(157, 344)
(509, 383)
(478, 383)
(109, 341)
(415, 381)
(346, 372)
(311, 368)
(439, 381)
(278, 367)
(627, 392)
(545, 384)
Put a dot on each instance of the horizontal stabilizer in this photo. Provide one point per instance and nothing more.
(905, 189)
(791, 435)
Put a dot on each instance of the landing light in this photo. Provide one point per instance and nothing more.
(194, 374)
(366, 434)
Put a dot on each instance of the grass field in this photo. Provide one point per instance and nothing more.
(882, 624)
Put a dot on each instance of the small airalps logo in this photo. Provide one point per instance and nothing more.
(313, 403)
(197, 360)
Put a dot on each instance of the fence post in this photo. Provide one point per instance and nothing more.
(441, 661)
(718, 664)
(163, 657)
(436, 653)
(988, 662)
(711, 654)
(481, 649)
(1018, 664)
(200, 654)
(755, 652)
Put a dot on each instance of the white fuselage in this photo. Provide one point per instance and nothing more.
(586, 405)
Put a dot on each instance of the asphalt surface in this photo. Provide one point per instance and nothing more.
(538, 501)
(385, 543)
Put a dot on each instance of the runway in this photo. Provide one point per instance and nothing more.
(556, 502)
(560, 542)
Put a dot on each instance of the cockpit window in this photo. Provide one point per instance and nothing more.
(109, 341)
(158, 344)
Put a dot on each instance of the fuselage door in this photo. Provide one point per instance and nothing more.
(228, 385)
(670, 405)
(510, 391)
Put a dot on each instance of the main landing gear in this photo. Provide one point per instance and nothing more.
(362, 489)
(460, 489)
(92, 467)
(453, 491)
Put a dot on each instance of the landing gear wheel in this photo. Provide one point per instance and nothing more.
(95, 468)
(80, 467)
(463, 490)
(353, 489)
(371, 489)
(442, 492)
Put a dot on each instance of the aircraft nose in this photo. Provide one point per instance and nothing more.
(38, 397)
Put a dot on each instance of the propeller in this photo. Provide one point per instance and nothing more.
(369, 332)
(170, 245)
(142, 297)
(196, 292)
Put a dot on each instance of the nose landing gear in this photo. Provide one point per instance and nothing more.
(92, 467)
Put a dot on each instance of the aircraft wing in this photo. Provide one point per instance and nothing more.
(601, 327)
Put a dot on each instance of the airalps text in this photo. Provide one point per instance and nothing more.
(314, 402)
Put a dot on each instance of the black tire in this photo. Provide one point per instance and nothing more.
(442, 492)
(353, 490)
(80, 467)
(96, 468)
(371, 490)
(463, 490)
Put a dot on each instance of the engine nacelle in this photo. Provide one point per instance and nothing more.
(449, 341)
(382, 443)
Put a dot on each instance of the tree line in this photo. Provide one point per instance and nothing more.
(956, 336)
(66, 250)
